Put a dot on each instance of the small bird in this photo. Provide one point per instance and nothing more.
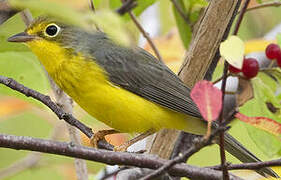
(124, 87)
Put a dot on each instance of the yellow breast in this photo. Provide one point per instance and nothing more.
(87, 83)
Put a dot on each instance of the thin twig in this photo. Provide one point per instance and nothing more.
(264, 5)
(126, 7)
(181, 12)
(226, 65)
(222, 149)
(105, 156)
(220, 78)
(92, 6)
(108, 175)
(145, 35)
(240, 18)
(253, 166)
(27, 162)
(54, 107)
(193, 149)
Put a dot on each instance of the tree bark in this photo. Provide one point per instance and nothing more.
(199, 63)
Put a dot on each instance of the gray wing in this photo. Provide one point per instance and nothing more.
(137, 71)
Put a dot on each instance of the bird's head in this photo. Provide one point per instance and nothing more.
(40, 30)
(49, 39)
(54, 42)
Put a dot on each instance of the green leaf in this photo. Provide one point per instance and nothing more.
(114, 4)
(25, 124)
(198, 3)
(24, 68)
(183, 28)
(264, 93)
(275, 72)
(12, 26)
(56, 9)
(97, 3)
(218, 71)
(192, 9)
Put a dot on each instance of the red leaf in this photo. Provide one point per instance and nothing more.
(263, 123)
(208, 99)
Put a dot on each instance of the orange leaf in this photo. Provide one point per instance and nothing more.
(263, 123)
(208, 99)
(10, 106)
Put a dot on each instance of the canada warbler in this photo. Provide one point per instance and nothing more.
(124, 87)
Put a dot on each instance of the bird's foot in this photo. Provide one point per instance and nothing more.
(100, 136)
(123, 147)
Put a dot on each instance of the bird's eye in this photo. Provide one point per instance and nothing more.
(52, 30)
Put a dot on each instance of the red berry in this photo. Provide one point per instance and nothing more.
(272, 51)
(250, 67)
(233, 69)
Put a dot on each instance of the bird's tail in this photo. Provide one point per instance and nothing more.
(240, 152)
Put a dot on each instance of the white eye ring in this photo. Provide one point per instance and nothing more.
(52, 30)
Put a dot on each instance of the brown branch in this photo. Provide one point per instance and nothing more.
(264, 5)
(26, 16)
(240, 18)
(145, 35)
(53, 106)
(211, 30)
(179, 159)
(126, 7)
(253, 166)
(30, 160)
(181, 12)
(105, 156)
(6, 11)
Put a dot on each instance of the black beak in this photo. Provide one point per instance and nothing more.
(21, 37)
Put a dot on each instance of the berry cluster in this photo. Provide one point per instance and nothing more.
(250, 67)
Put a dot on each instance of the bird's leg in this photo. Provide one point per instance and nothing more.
(100, 136)
(125, 145)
